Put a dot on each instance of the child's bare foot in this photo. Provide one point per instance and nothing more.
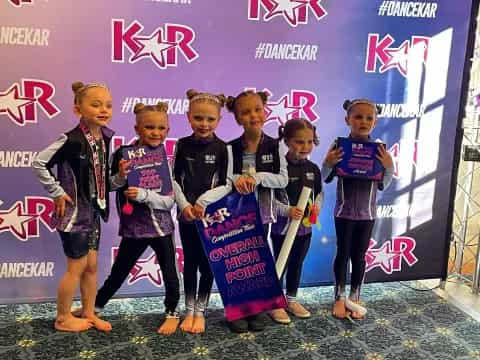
(73, 324)
(339, 310)
(187, 323)
(99, 324)
(169, 326)
(198, 324)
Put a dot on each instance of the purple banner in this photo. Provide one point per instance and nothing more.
(148, 168)
(234, 241)
(359, 159)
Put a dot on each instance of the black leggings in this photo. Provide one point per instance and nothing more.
(194, 259)
(129, 252)
(294, 265)
(353, 237)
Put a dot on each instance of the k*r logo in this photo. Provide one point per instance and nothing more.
(23, 218)
(19, 3)
(169, 144)
(20, 101)
(148, 268)
(414, 50)
(391, 254)
(293, 11)
(219, 216)
(161, 46)
(299, 103)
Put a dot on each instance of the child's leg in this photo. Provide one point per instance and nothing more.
(363, 233)
(89, 289)
(188, 233)
(65, 321)
(129, 252)
(344, 230)
(164, 248)
(294, 273)
(204, 289)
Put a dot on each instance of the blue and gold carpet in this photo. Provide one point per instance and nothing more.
(401, 324)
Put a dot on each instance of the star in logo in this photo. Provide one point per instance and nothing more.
(19, 3)
(153, 47)
(398, 58)
(381, 257)
(280, 110)
(14, 220)
(11, 103)
(148, 268)
(288, 8)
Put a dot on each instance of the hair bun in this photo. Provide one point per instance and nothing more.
(263, 95)
(77, 85)
(222, 98)
(230, 103)
(346, 104)
(138, 107)
(191, 93)
(162, 106)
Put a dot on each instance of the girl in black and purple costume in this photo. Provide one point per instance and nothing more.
(259, 165)
(149, 223)
(202, 172)
(300, 137)
(80, 192)
(355, 209)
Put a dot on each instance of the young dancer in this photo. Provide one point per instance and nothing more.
(258, 165)
(299, 135)
(80, 192)
(355, 209)
(150, 222)
(201, 169)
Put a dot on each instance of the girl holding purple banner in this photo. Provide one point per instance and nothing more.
(201, 172)
(300, 137)
(146, 222)
(355, 209)
(80, 192)
(258, 165)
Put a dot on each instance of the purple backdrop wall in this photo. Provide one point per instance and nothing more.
(310, 54)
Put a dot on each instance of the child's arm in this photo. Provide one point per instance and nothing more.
(219, 192)
(334, 155)
(152, 198)
(43, 163)
(318, 201)
(186, 209)
(117, 177)
(271, 180)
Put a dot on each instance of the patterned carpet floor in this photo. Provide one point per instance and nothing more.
(402, 323)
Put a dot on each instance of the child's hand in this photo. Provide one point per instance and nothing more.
(245, 184)
(60, 204)
(131, 193)
(198, 211)
(333, 157)
(122, 168)
(384, 157)
(295, 213)
(188, 214)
